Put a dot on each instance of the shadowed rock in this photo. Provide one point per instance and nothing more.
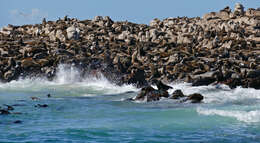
(177, 94)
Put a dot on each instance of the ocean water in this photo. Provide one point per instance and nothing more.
(94, 110)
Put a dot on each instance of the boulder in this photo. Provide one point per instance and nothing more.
(177, 94)
(150, 94)
(60, 35)
(195, 98)
(72, 33)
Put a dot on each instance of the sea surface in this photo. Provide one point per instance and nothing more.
(94, 110)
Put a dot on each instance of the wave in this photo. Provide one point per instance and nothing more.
(244, 116)
(68, 78)
(219, 94)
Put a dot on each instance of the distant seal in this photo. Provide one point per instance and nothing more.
(48, 95)
(9, 107)
(41, 105)
(35, 98)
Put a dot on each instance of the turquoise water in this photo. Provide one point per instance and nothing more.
(94, 110)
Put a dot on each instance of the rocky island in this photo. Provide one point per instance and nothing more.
(221, 47)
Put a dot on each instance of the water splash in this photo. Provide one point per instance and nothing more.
(67, 79)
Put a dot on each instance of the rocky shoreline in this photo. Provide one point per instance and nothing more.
(221, 47)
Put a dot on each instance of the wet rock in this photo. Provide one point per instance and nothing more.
(177, 94)
(150, 94)
(195, 98)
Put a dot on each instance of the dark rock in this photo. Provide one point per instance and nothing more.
(177, 94)
(195, 98)
(144, 92)
(150, 94)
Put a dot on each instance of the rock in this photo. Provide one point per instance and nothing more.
(52, 35)
(222, 44)
(60, 36)
(195, 98)
(144, 92)
(177, 94)
(72, 33)
(150, 94)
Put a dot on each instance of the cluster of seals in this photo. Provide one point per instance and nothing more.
(221, 47)
(9, 109)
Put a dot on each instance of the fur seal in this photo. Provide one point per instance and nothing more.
(161, 86)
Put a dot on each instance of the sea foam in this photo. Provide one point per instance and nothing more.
(245, 116)
(67, 78)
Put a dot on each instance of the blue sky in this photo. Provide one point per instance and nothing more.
(18, 12)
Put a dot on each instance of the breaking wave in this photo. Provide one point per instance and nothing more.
(67, 78)
(245, 116)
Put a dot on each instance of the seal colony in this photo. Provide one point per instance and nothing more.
(221, 47)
